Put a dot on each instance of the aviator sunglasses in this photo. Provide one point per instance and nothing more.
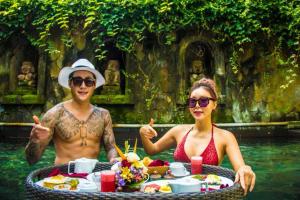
(203, 102)
(77, 81)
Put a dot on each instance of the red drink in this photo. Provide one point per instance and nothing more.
(108, 181)
(196, 165)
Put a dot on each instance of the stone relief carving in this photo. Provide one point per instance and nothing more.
(27, 75)
(197, 71)
(112, 73)
(197, 63)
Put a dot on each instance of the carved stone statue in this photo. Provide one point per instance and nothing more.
(112, 73)
(197, 64)
(197, 71)
(27, 75)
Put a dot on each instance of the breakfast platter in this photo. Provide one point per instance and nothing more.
(60, 182)
(208, 184)
(193, 183)
(132, 174)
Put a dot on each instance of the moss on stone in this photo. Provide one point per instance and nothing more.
(21, 99)
(111, 99)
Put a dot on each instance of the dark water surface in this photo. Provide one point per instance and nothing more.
(276, 163)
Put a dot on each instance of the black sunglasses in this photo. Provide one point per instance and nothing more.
(77, 81)
(203, 102)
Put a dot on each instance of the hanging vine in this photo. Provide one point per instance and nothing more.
(127, 22)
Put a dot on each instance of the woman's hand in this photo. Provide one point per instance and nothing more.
(115, 160)
(147, 130)
(246, 177)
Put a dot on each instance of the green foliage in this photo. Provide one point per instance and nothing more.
(143, 80)
(126, 22)
(234, 62)
(291, 72)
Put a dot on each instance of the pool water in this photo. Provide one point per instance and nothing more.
(275, 162)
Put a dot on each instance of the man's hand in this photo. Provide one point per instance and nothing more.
(147, 130)
(39, 138)
(39, 133)
(246, 177)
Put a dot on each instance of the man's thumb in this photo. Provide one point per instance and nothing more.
(36, 119)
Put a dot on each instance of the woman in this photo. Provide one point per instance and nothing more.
(202, 138)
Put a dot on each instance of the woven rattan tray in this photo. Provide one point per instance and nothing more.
(34, 191)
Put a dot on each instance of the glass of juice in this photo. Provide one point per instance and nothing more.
(196, 164)
(108, 179)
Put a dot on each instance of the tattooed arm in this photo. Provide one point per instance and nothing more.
(109, 138)
(34, 149)
(40, 136)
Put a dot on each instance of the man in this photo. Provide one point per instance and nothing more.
(76, 126)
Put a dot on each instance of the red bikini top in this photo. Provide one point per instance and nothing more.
(209, 155)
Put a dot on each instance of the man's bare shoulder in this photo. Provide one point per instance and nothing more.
(102, 112)
(100, 109)
(52, 114)
(55, 109)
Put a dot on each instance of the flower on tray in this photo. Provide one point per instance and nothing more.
(130, 171)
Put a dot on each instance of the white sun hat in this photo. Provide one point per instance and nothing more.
(79, 65)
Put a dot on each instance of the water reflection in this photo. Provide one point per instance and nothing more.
(276, 163)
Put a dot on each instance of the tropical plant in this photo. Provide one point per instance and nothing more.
(127, 22)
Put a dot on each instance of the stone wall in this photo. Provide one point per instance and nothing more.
(155, 80)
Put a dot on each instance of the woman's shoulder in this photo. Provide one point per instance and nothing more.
(182, 128)
(223, 134)
(179, 131)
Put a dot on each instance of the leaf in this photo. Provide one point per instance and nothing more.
(135, 146)
(127, 146)
(120, 152)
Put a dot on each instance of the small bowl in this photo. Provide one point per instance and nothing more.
(87, 187)
(185, 185)
(158, 169)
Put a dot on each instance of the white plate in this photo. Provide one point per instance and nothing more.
(224, 180)
(186, 174)
(81, 180)
(40, 182)
(158, 182)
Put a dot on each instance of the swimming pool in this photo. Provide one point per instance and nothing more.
(275, 161)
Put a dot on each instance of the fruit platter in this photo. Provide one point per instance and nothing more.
(193, 183)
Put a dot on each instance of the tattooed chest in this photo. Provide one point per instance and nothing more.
(70, 129)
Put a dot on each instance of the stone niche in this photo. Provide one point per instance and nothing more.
(112, 77)
(115, 90)
(199, 57)
(198, 62)
(26, 79)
